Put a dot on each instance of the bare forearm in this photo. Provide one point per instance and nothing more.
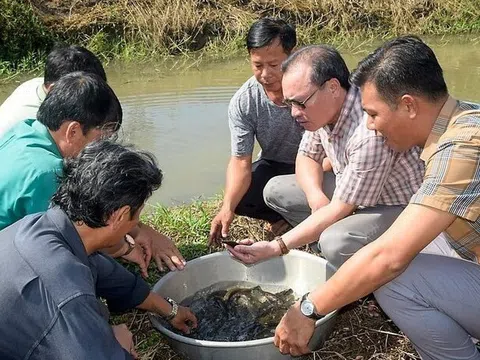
(362, 274)
(311, 228)
(381, 261)
(239, 175)
(156, 304)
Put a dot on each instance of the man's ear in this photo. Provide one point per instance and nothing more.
(120, 216)
(73, 131)
(410, 105)
(334, 87)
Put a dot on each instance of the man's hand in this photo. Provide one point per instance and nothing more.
(250, 252)
(294, 332)
(138, 256)
(185, 320)
(160, 247)
(125, 338)
(220, 226)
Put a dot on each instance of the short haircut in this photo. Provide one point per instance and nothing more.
(405, 65)
(104, 177)
(82, 97)
(265, 31)
(325, 61)
(63, 60)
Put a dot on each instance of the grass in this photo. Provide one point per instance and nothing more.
(362, 332)
(136, 30)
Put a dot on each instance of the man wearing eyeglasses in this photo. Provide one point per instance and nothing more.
(369, 180)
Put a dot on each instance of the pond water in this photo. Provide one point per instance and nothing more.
(181, 115)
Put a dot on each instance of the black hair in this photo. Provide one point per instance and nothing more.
(264, 31)
(104, 177)
(63, 60)
(82, 97)
(400, 66)
(326, 63)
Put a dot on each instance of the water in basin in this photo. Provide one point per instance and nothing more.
(238, 311)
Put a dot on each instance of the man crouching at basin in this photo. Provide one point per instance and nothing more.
(52, 270)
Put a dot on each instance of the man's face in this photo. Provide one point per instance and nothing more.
(79, 140)
(311, 106)
(266, 65)
(393, 123)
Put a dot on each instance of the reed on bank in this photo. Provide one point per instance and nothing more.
(154, 29)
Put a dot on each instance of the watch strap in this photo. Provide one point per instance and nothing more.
(314, 315)
(174, 311)
(283, 247)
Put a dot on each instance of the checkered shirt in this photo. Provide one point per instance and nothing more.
(368, 172)
(452, 176)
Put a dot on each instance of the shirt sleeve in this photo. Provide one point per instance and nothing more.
(452, 176)
(369, 163)
(311, 146)
(80, 332)
(122, 289)
(242, 131)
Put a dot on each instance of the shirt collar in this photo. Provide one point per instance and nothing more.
(43, 130)
(439, 127)
(68, 232)
(352, 99)
(41, 93)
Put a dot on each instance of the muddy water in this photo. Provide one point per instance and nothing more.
(239, 311)
(181, 115)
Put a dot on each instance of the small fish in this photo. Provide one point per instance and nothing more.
(230, 243)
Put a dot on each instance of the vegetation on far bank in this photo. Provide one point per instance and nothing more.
(362, 331)
(151, 29)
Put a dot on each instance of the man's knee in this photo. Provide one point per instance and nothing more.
(275, 194)
(331, 244)
(338, 244)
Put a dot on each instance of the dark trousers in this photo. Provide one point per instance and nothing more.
(252, 203)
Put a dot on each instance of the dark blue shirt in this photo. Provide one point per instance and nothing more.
(49, 288)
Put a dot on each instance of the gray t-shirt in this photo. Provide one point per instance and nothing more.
(252, 114)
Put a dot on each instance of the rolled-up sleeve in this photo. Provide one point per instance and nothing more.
(311, 146)
(121, 289)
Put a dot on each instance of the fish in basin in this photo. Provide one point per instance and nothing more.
(238, 313)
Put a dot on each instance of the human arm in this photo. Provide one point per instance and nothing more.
(371, 267)
(185, 320)
(309, 169)
(124, 290)
(304, 233)
(239, 175)
(309, 175)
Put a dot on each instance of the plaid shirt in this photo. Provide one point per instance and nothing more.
(452, 177)
(368, 172)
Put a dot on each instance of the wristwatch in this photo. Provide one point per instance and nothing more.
(174, 311)
(308, 308)
(131, 244)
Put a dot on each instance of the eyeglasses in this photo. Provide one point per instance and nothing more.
(302, 104)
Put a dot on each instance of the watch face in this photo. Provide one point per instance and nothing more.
(307, 308)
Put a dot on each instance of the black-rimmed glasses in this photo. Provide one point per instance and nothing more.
(302, 104)
(299, 104)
